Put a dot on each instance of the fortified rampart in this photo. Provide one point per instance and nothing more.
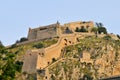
(41, 58)
(45, 56)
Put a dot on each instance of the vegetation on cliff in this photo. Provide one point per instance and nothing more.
(101, 55)
(91, 58)
(8, 64)
(11, 58)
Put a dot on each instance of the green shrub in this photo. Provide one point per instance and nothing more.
(77, 29)
(87, 77)
(107, 37)
(18, 65)
(79, 50)
(13, 46)
(1, 45)
(8, 70)
(39, 45)
(102, 30)
(81, 30)
(118, 36)
(94, 29)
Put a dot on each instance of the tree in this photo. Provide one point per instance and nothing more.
(94, 29)
(18, 65)
(67, 30)
(87, 77)
(80, 30)
(102, 30)
(77, 29)
(13, 46)
(39, 45)
(118, 36)
(99, 24)
(10, 67)
(83, 29)
(1, 43)
(23, 39)
(107, 37)
(17, 41)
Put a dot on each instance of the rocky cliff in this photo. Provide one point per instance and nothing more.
(92, 58)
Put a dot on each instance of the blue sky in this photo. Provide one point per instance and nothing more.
(16, 16)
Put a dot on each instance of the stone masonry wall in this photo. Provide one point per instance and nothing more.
(54, 51)
(88, 25)
(47, 33)
(41, 58)
(30, 60)
(54, 30)
(43, 32)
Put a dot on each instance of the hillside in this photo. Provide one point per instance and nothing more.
(11, 58)
(73, 51)
(21, 49)
(93, 58)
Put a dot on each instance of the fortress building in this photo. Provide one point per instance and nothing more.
(41, 58)
(55, 30)
(73, 25)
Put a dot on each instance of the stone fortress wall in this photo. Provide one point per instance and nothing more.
(55, 30)
(87, 25)
(43, 32)
(41, 58)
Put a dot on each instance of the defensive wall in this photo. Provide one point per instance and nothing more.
(56, 29)
(43, 32)
(43, 57)
(87, 25)
(38, 59)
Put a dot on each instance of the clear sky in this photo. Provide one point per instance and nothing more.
(16, 16)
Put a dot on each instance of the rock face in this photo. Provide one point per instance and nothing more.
(75, 56)
(91, 58)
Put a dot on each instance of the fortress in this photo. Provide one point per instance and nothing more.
(40, 59)
(55, 30)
